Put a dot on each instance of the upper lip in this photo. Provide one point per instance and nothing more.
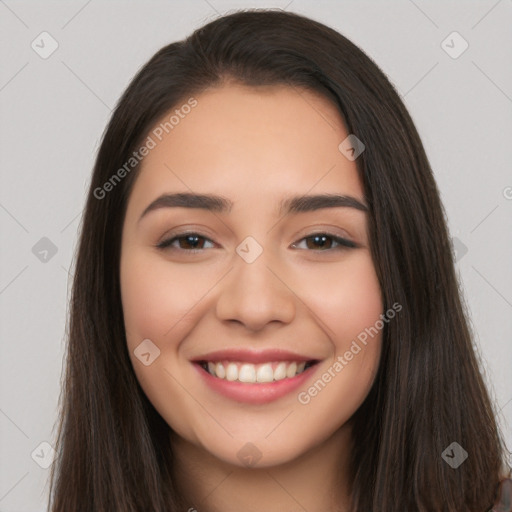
(252, 356)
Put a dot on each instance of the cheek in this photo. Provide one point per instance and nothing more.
(350, 309)
(346, 298)
(158, 300)
(162, 304)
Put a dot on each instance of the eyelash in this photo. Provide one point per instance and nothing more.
(343, 243)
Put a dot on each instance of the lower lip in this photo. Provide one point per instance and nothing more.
(260, 393)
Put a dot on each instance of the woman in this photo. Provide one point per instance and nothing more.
(265, 311)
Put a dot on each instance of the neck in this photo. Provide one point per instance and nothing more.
(315, 481)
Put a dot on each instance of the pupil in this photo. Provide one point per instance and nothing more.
(320, 239)
(191, 240)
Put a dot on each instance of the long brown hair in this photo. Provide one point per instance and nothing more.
(114, 452)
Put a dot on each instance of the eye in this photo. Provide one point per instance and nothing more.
(321, 241)
(194, 242)
(190, 242)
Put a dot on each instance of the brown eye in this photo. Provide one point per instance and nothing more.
(192, 242)
(325, 241)
(187, 242)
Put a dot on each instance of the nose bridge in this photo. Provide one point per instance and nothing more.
(254, 293)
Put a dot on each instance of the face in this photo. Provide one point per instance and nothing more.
(271, 296)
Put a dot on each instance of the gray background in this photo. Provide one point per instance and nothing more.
(54, 110)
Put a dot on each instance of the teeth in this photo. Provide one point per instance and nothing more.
(265, 373)
(280, 371)
(218, 370)
(292, 370)
(246, 372)
(231, 372)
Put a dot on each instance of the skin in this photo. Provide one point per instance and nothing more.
(254, 146)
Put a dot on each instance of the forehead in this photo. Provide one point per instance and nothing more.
(256, 144)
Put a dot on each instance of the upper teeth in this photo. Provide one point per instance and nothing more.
(246, 372)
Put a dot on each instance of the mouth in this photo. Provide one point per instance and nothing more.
(255, 378)
(267, 372)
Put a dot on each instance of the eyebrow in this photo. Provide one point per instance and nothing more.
(219, 204)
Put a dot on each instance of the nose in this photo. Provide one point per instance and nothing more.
(256, 294)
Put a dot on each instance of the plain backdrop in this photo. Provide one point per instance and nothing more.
(53, 112)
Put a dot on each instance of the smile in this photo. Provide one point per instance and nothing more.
(254, 376)
(255, 373)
